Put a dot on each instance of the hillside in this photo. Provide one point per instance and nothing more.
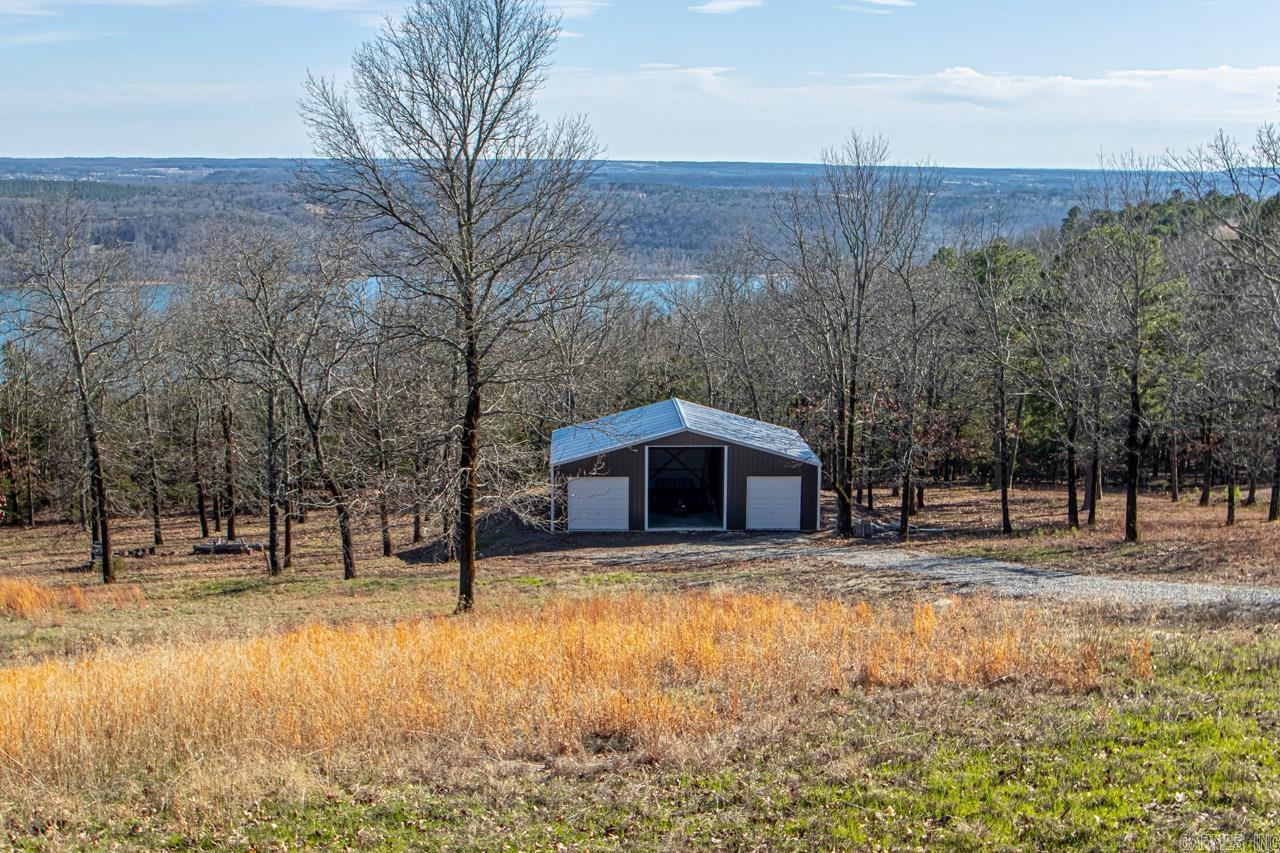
(674, 215)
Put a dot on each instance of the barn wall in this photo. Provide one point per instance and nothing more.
(744, 462)
(628, 462)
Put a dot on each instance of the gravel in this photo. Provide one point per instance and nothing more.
(960, 573)
(1012, 579)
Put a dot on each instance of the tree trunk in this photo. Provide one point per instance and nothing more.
(344, 535)
(1273, 510)
(217, 512)
(1206, 468)
(97, 476)
(286, 504)
(920, 496)
(1231, 492)
(1175, 486)
(904, 513)
(845, 476)
(336, 492)
(287, 561)
(1252, 497)
(384, 517)
(467, 489)
(1002, 452)
(31, 507)
(274, 566)
(153, 468)
(1095, 455)
(84, 511)
(229, 468)
(417, 505)
(1132, 457)
(1073, 473)
(1017, 439)
(93, 518)
(384, 512)
(197, 476)
(1095, 476)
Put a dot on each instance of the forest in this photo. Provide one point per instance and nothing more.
(397, 347)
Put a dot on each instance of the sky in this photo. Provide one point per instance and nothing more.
(991, 83)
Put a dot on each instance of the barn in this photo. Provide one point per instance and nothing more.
(676, 465)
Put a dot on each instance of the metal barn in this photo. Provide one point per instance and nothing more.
(676, 465)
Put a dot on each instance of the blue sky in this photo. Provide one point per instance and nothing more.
(962, 82)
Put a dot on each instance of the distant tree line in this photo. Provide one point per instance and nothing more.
(398, 351)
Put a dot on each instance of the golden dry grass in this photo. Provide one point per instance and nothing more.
(631, 670)
(38, 603)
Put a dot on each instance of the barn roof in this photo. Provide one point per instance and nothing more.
(669, 417)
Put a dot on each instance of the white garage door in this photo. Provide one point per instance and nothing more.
(773, 503)
(599, 503)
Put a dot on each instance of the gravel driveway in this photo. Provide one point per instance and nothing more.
(1020, 581)
(961, 573)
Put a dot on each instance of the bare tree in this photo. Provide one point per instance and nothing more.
(66, 286)
(841, 235)
(997, 278)
(478, 202)
(1237, 190)
(1143, 293)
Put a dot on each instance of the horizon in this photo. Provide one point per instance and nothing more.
(603, 161)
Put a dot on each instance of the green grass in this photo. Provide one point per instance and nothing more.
(615, 579)
(1141, 764)
(1015, 551)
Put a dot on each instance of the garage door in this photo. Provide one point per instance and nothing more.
(773, 503)
(599, 503)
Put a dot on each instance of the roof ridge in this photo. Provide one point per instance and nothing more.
(684, 419)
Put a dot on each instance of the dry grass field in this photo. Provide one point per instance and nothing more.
(601, 704)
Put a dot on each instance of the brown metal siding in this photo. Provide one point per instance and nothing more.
(628, 462)
(744, 462)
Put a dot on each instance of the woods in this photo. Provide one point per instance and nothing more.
(451, 293)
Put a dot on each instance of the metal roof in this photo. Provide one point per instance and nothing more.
(669, 417)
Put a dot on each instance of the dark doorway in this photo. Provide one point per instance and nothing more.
(686, 488)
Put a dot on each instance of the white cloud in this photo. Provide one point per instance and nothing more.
(724, 7)
(53, 7)
(576, 8)
(958, 115)
(371, 12)
(876, 7)
(49, 37)
(50, 7)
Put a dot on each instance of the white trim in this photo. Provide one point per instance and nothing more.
(724, 488)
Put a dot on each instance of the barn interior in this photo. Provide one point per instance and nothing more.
(686, 488)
